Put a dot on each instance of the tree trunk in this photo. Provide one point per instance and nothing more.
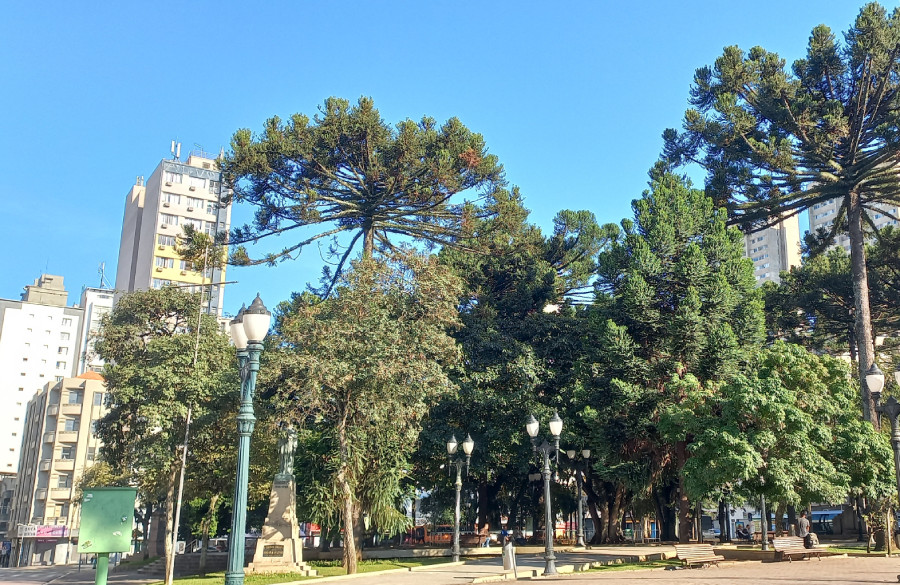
(595, 519)
(368, 239)
(346, 501)
(170, 520)
(863, 319)
(359, 531)
(205, 524)
(792, 518)
(324, 538)
(665, 512)
(724, 531)
(613, 517)
(779, 519)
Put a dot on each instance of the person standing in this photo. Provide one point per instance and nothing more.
(803, 525)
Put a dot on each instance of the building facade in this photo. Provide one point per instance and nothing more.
(774, 249)
(7, 531)
(58, 444)
(95, 302)
(176, 194)
(40, 343)
(822, 215)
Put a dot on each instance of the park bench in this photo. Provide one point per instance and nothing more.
(697, 554)
(788, 547)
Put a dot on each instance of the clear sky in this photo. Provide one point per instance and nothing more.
(571, 96)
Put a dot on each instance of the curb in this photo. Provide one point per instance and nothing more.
(370, 573)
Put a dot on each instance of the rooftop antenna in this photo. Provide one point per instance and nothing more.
(102, 271)
(198, 147)
(176, 150)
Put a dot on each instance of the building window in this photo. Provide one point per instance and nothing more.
(67, 453)
(94, 427)
(211, 208)
(98, 398)
(64, 480)
(195, 203)
(59, 378)
(160, 282)
(76, 397)
(72, 424)
(63, 351)
(172, 177)
(168, 219)
(171, 198)
(205, 165)
(197, 182)
(66, 322)
(186, 265)
(63, 511)
(194, 223)
(165, 240)
(60, 365)
(165, 262)
(26, 359)
(23, 390)
(91, 453)
(214, 186)
(64, 336)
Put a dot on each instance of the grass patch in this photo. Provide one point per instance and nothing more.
(660, 564)
(133, 563)
(324, 568)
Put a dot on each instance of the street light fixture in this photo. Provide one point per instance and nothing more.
(890, 408)
(579, 467)
(546, 449)
(452, 448)
(248, 330)
(875, 380)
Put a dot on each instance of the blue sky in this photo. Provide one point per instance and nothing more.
(571, 96)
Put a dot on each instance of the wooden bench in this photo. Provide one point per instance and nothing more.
(788, 547)
(697, 554)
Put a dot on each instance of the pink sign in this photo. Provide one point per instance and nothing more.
(52, 531)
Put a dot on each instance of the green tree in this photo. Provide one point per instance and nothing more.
(157, 367)
(676, 301)
(347, 170)
(363, 368)
(775, 142)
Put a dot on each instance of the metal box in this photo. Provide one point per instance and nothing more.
(107, 520)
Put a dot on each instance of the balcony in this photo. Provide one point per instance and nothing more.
(68, 436)
(45, 465)
(71, 408)
(49, 437)
(53, 410)
(61, 493)
(40, 494)
(64, 464)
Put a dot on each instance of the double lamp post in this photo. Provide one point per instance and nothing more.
(875, 383)
(532, 426)
(248, 330)
(458, 462)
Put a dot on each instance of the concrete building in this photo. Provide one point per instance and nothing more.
(7, 532)
(58, 444)
(40, 341)
(95, 302)
(774, 249)
(176, 194)
(822, 215)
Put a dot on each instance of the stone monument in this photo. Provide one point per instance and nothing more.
(279, 548)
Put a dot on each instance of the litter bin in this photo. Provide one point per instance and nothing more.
(509, 558)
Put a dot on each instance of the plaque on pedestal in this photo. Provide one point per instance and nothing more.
(279, 548)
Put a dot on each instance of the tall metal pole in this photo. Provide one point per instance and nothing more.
(246, 421)
(456, 516)
(764, 518)
(549, 525)
(580, 541)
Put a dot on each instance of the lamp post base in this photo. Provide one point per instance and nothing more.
(550, 566)
(234, 578)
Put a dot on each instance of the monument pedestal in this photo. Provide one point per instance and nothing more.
(279, 549)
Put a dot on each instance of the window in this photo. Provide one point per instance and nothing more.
(64, 480)
(197, 182)
(171, 198)
(67, 453)
(23, 390)
(63, 351)
(186, 265)
(210, 228)
(23, 373)
(214, 186)
(165, 262)
(211, 208)
(76, 397)
(60, 379)
(195, 203)
(194, 223)
(94, 427)
(47, 332)
(66, 322)
(98, 398)
(63, 511)
(91, 453)
(60, 365)
(72, 424)
(165, 240)
(160, 282)
(168, 219)
(30, 331)
(26, 359)
(172, 177)
(64, 336)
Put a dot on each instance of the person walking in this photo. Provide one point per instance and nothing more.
(803, 526)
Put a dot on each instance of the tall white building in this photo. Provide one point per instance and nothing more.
(774, 249)
(822, 215)
(40, 343)
(95, 302)
(176, 194)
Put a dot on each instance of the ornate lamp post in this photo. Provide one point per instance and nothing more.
(579, 467)
(546, 449)
(248, 330)
(875, 382)
(452, 446)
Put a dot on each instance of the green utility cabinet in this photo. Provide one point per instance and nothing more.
(107, 518)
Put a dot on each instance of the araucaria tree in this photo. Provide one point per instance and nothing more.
(361, 368)
(148, 342)
(348, 171)
(775, 142)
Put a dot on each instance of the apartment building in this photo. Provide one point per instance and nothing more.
(774, 249)
(95, 302)
(39, 344)
(822, 215)
(58, 444)
(176, 194)
(7, 532)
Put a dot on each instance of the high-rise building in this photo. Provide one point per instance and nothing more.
(58, 444)
(822, 215)
(774, 249)
(40, 343)
(176, 194)
(95, 302)
(7, 532)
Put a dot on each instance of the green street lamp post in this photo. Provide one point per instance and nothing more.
(546, 449)
(580, 467)
(458, 462)
(248, 330)
(875, 383)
